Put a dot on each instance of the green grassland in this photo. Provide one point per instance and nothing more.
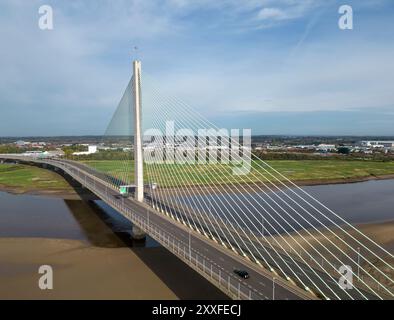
(23, 178)
(28, 178)
(317, 171)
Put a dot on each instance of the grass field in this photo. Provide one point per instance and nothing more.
(295, 170)
(27, 178)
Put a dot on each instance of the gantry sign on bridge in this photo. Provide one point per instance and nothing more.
(191, 195)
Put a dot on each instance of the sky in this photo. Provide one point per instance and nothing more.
(275, 66)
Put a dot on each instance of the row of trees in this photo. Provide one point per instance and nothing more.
(8, 148)
(341, 155)
(344, 154)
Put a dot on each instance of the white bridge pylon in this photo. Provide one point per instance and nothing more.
(138, 160)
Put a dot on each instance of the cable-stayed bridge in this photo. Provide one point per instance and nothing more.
(198, 191)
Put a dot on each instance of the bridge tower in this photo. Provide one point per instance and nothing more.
(138, 160)
(137, 233)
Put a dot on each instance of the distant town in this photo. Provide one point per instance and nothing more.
(276, 147)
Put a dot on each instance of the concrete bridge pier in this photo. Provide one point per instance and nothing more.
(137, 233)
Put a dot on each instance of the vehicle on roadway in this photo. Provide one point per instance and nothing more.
(241, 273)
(127, 190)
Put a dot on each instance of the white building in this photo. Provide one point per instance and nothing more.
(21, 143)
(91, 149)
(377, 144)
(326, 147)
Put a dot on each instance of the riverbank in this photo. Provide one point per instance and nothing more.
(71, 194)
(83, 271)
(23, 179)
(303, 172)
(80, 271)
(266, 186)
(63, 194)
(381, 233)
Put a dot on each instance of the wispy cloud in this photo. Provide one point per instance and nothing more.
(272, 14)
(221, 56)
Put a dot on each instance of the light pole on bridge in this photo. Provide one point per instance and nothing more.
(273, 288)
(190, 246)
(358, 263)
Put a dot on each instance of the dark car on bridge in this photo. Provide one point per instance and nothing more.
(242, 273)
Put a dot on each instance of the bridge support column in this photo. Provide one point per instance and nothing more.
(138, 160)
(137, 233)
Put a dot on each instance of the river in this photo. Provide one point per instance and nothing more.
(361, 202)
(37, 216)
(47, 217)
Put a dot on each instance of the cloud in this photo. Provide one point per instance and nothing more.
(272, 13)
(221, 56)
(330, 76)
(236, 16)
